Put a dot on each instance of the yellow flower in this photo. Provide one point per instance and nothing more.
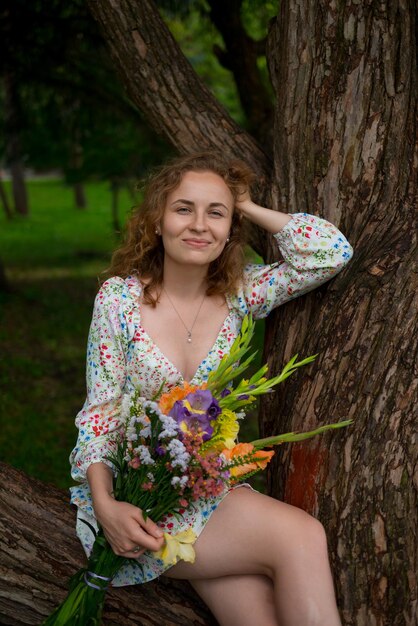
(177, 547)
(226, 427)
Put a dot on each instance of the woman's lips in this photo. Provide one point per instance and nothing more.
(196, 243)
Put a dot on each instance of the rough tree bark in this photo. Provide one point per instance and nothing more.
(39, 551)
(346, 132)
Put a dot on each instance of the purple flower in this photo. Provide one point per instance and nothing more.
(160, 450)
(196, 412)
(225, 392)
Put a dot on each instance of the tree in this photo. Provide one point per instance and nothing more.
(344, 140)
(39, 550)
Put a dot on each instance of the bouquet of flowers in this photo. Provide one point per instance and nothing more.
(175, 449)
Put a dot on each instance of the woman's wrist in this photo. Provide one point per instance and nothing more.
(100, 479)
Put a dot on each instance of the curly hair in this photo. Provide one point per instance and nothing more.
(142, 252)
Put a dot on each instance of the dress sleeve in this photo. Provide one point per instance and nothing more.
(314, 251)
(99, 422)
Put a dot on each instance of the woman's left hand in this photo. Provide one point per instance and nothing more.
(272, 221)
(243, 200)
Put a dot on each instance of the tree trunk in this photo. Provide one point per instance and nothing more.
(79, 196)
(13, 128)
(39, 551)
(5, 286)
(5, 201)
(114, 189)
(345, 133)
(240, 57)
(347, 153)
(76, 161)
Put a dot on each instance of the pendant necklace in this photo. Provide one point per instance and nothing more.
(188, 330)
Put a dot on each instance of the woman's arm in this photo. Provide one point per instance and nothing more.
(99, 424)
(272, 221)
(313, 249)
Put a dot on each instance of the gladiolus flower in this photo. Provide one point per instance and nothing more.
(168, 399)
(254, 459)
(177, 547)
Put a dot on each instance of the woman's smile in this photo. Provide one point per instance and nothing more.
(196, 243)
(197, 219)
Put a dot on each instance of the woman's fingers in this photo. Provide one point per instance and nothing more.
(125, 529)
(134, 537)
(151, 527)
(145, 540)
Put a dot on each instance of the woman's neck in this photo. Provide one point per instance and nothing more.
(185, 282)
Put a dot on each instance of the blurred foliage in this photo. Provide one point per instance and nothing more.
(72, 99)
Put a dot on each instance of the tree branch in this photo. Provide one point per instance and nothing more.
(162, 83)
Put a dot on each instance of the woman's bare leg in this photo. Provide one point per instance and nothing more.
(253, 534)
(239, 600)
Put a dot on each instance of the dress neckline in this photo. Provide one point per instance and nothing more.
(152, 342)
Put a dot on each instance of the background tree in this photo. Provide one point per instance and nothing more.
(344, 140)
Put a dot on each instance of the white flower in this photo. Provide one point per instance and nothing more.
(175, 480)
(178, 453)
(146, 431)
(126, 404)
(171, 428)
(144, 455)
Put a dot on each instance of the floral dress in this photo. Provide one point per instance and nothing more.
(121, 356)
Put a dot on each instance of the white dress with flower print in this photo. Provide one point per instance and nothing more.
(121, 356)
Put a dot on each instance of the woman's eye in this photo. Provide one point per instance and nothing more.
(183, 209)
(217, 213)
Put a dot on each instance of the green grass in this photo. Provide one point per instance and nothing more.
(52, 260)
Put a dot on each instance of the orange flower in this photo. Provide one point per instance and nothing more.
(257, 459)
(168, 400)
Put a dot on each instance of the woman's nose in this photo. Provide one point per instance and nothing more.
(199, 222)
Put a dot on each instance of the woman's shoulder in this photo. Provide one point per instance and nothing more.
(118, 289)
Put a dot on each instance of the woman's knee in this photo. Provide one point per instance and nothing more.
(294, 531)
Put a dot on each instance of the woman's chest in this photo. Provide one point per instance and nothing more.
(160, 355)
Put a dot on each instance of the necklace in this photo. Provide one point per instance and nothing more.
(188, 330)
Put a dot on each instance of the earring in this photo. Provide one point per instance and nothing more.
(227, 239)
(157, 232)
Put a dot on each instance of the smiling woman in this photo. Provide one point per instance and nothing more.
(197, 220)
(172, 308)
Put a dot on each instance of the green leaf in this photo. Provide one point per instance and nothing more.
(295, 436)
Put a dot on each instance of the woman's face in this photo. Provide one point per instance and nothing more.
(197, 219)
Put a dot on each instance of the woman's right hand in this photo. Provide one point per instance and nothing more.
(125, 528)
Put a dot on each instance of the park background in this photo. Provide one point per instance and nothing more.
(82, 151)
(320, 97)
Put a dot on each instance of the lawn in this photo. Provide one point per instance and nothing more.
(53, 259)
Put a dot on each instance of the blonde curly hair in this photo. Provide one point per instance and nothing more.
(142, 252)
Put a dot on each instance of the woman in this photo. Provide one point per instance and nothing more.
(173, 306)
